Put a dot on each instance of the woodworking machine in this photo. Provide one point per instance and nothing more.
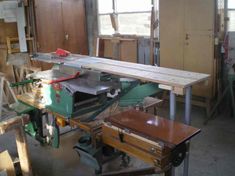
(75, 96)
(61, 94)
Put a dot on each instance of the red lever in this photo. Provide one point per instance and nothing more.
(62, 53)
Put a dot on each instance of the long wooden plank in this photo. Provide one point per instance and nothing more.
(163, 70)
(142, 75)
(170, 77)
(155, 69)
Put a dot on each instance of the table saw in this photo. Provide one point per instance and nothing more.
(76, 94)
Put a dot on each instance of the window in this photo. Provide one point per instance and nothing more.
(231, 15)
(132, 16)
(231, 4)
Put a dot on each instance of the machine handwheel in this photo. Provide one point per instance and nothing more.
(178, 155)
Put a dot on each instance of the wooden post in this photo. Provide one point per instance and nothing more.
(23, 153)
(1, 94)
(152, 29)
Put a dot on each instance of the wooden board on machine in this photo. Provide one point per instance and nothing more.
(176, 79)
(172, 79)
(145, 136)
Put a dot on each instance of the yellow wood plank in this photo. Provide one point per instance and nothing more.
(31, 100)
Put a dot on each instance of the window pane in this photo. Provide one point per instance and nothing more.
(140, 23)
(105, 25)
(133, 5)
(231, 23)
(105, 6)
(231, 4)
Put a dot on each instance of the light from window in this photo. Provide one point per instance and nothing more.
(231, 23)
(133, 6)
(140, 23)
(105, 6)
(105, 25)
(231, 4)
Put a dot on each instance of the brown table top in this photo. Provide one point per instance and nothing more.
(153, 127)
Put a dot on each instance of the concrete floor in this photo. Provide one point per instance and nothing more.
(212, 151)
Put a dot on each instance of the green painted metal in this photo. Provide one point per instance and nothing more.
(138, 93)
(30, 129)
(24, 82)
(22, 108)
(58, 100)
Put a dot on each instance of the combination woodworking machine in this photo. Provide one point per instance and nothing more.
(75, 96)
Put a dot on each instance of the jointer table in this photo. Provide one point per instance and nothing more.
(178, 82)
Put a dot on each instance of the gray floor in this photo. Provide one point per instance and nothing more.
(212, 151)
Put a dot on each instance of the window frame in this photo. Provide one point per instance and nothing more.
(114, 8)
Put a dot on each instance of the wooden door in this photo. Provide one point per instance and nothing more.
(199, 42)
(49, 25)
(61, 24)
(171, 17)
(74, 20)
(187, 39)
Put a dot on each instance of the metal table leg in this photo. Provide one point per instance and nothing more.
(172, 106)
(232, 95)
(188, 96)
(172, 117)
(187, 120)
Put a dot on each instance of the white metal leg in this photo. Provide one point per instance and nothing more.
(172, 116)
(187, 120)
